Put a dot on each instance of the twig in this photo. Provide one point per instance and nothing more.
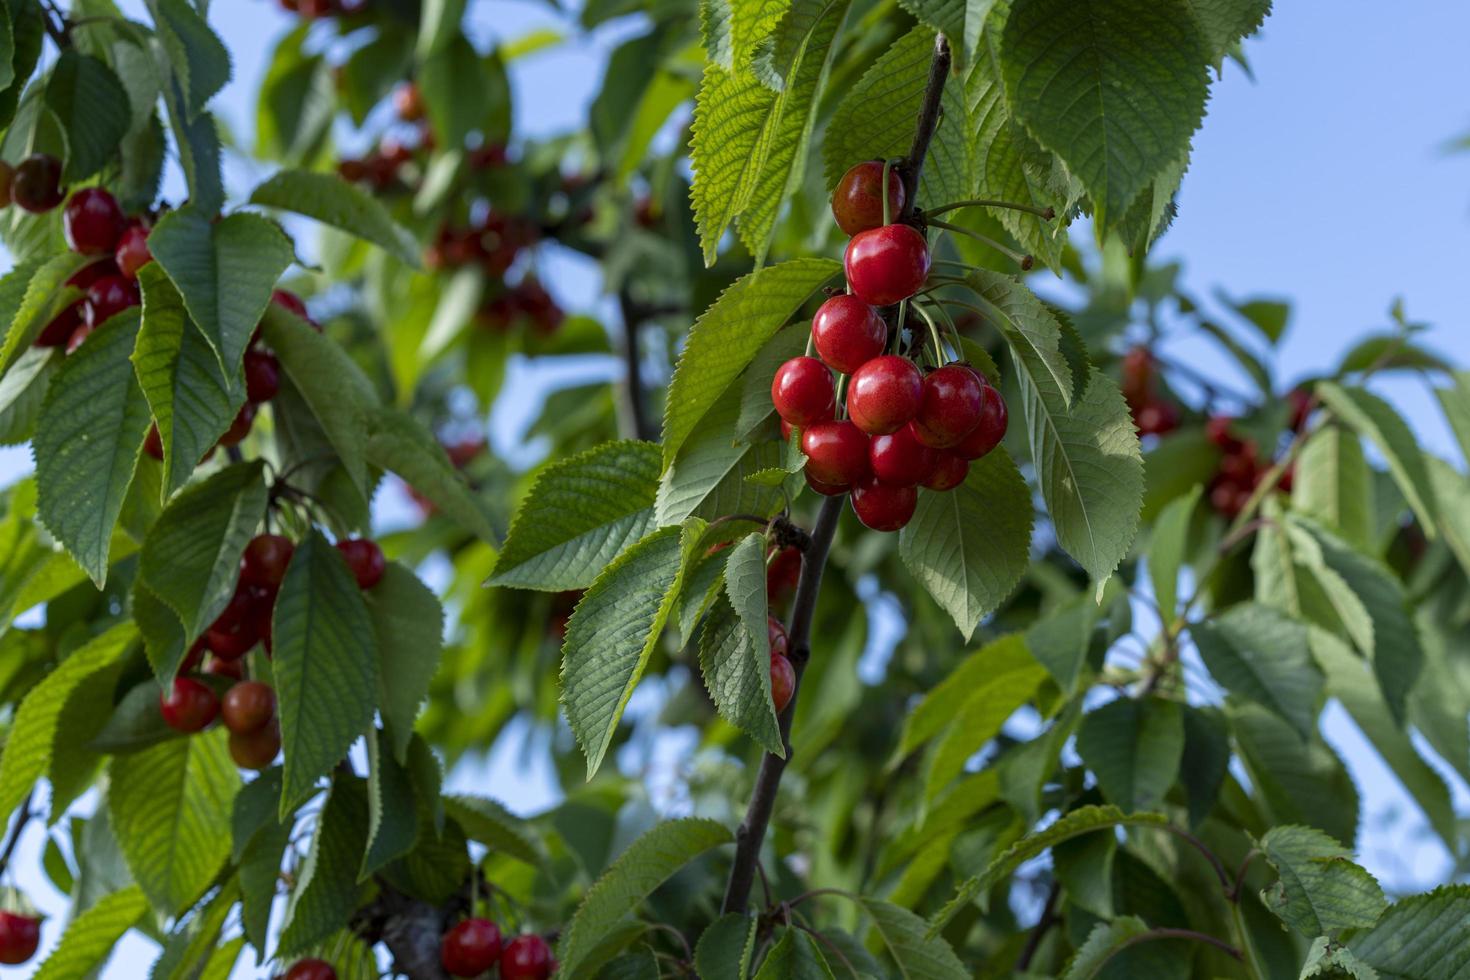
(637, 411)
(21, 819)
(1038, 932)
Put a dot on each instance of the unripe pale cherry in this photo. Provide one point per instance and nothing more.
(848, 332)
(900, 459)
(856, 203)
(837, 453)
(882, 507)
(948, 472)
(884, 394)
(803, 392)
(887, 264)
(991, 428)
(950, 407)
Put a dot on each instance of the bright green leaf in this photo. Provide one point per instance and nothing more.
(332, 201)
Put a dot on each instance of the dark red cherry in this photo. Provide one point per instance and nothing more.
(950, 407)
(108, 297)
(991, 428)
(132, 250)
(857, 203)
(783, 681)
(189, 705)
(776, 633)
(1300, 400)
(19, 937)
(240, 427)
(7, 176)
(783, 572)
(265, 559)
(92, 221)
(365, 559)
(262, 376)
(526, 958)
(258, 749)
(220, 667)
(36, 186)
(802, 391)
(153, 443)
(470, 948)
(62, 325)
(409, 103)
(826, 489)
(248, 707)
(1156, 418)
(883, 507)
(837, 453)
(1217, 430)
(311, 969)
(884, 394)
(949, 471)
(900, 458)
(886, 265)
(848, 332)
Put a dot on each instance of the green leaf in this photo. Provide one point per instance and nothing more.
(1113, 87)
(917, 951)
(755, 384)
(191, 559)
(1223, 22)
(1257, 653)
(259, 844)
(1084, 867)
(1426, 937)
(1326, 959)
(456, 90)
(91, 936)
(726, 947)
(1374, 419)
(1269, 316)
(1106, 940)
(735, 648)
(1083, 820)
(969, 547)
(1454, 401)
(1334, 486)
(728, 335)
(32, 294)
(135, 724)
(795, 957)
(579, 514)
(876, 118)
(497, 828)
(611, 635)
(1206, 757)
(192, 399)
(326, 665)
(91, 105)
(224, 269)
(326, 888)
(400, 443)
(298, 95)
(198, 143)
(1295, 780)
(170, 808)
(88, 440)
(646, 864)
(332, 201)
(1320, 890)
(716, 474)
(1167, 549)
(200, 61)
(409, 623)
(392, 807)
(1134, 748)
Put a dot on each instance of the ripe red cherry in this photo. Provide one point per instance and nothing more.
(108, 297)
(1156, 419)
(883, 507)
(288, 300)
(92, 221)
(884, 394)
(62, 326)
(782, 574)
(950, 408)
(153, 443)
(311, 969)
(188, 706)
(19, 937)
(526, 958)
(262, 376)
(365, 559)
(783, 681)
(237, 628)
(132, 250)
(886, 265)
(990, 430)
(837, 453)
(248, 707)
(470, 948)
(949, 471)
(776, 633)
(265, 559)
(848, 332)
(803, 392)
(240, 427)
(1300, 400)
(856, 203)
(256, 750)
(826, 489)
(900, 459)
(36, 186)
(1217, 430)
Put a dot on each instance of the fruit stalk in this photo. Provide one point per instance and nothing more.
(752, 831)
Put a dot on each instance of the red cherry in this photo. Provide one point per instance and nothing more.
(950, 408)
(108, 297)
(188, 706)
(193, 656)
(526, 958)
(288, 300)
(1217, 430)
(883, 507)
(237, 628)
(837, 453)
(92, 221)
(19, 937)
(62, 325)
(783, 681)
(949, 472)
(848, 332)
(884, 394)
(886, 265)
(900, 458)
(365, 559)
(220, 667)
(1240, 466)
(93, 271)
(782, 574)
(1300, 400)
(803, 392)
(265, 559)
(1137, 374)
(991, 428)
(36, 186)
(470, 948)
(826, 489)
(776, 633)
(786, 429)
(311, 969)
(262, 376)
(153, 443)
(240, 427)
(248, 707)
(132, 250)
(256, 750)
(1156, 419)
(856, 203)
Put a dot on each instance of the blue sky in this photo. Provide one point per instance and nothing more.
(1323, 180)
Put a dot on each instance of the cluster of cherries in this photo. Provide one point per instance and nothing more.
(1241, 468)
(1152, 414)
(249, 707)
(904, 429)
(474, 946)
(20, 934)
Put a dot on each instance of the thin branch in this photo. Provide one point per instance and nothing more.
(1038, 932)
(913, 164)
(21, 819)
(633, 400)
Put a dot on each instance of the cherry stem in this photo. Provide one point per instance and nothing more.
(939, 357)
(1024, 261)
(887, 204)
(1046, 214)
